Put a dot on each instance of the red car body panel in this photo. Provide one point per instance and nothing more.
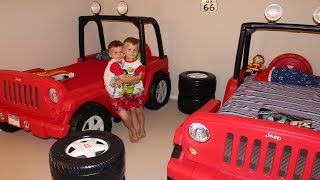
(218, 159)
(26, 95)
(242, 147)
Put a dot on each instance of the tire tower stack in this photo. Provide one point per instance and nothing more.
(196, 88)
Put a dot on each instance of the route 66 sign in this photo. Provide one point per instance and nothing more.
(209, 5)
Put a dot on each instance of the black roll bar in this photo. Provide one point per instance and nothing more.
(136, 20)
(245, 38)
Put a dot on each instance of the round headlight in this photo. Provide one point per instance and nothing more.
(53, 95)
(95, 7)
(316, 15)
(199, 132)
(122, 8)
(273, 12)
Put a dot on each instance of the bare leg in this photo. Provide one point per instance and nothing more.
(135, 119)
(126, 119)
(141, 119)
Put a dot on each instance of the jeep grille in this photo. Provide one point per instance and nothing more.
(257, 151)
(24, 94)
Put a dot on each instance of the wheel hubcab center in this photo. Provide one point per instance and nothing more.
(87, 148)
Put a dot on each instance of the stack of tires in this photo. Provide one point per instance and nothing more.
(196, 88)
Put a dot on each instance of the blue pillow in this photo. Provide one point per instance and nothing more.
(295, 77)
(104, 55)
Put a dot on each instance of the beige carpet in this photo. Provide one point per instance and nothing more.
(24, 156)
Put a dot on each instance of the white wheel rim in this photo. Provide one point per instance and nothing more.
(161, 91)
(87, 148)
(197, 75)
(94, 123)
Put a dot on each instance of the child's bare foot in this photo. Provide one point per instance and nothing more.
(142, 134)
(133, 139)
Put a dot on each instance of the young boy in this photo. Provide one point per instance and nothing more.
(112, 73)
(134, 90)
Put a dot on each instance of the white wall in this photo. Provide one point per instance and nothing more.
(193, 40)
(41, 33)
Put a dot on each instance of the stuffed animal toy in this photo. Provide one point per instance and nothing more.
(256, 66)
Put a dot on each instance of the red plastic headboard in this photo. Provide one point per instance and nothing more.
(148, 51)
(289, 60)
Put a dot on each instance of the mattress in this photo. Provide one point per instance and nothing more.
(292, 100)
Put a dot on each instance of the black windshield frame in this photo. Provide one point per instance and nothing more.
(138, 21)
(247, 29)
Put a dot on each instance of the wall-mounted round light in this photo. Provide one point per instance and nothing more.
(316, 15)
(273, 12)
(95, 7)
(122, 8)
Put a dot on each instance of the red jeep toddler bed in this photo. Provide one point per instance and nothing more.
(233, 142)
(53, 108)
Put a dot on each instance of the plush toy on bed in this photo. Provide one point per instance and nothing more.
(256, 66)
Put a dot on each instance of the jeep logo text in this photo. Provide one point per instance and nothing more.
(272, 136)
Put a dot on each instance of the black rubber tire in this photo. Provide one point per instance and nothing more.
(199, 87)
(8, 128)
(110, 164)
(83, 114)
(161, 82)
(189, 105)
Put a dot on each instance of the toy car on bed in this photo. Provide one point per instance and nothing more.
(74, 98)
(213, 143)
